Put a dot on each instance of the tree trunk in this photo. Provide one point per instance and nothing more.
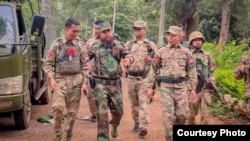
(192, 25)
(224, 23)
(162, 21)
(50, 24)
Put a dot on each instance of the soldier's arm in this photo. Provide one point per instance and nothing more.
(191, 71)
(84, 64)
(50, 60)
(239, 69)
(154, 48)
(156, 63)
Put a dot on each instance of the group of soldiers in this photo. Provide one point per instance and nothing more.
(95, 68)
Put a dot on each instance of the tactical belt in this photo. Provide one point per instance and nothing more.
(143, 74)
(107, 81)
(172, 81)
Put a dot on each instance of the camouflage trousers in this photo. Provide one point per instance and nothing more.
(175, 109)
(137, 91)
(108, 97)
(65, 107)
(91, 101)
(202, 103)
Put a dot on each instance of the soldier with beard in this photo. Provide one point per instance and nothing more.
(90, 42)
(205, 63)
(106, 81)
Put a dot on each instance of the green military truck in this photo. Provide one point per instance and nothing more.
(22, 80)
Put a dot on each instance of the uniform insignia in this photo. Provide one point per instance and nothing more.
(190, 60)
(157, 58)
(51, 55)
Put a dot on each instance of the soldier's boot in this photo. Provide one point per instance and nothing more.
(114, 131)
(68, 136)
(136, 128)
(180, 121)
(190, 121)
(143, 132)
(58, 138)
(170, 138)
(93, 119)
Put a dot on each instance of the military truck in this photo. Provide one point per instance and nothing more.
(22, 81)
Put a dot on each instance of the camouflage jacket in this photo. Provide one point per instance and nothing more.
(245, 72)
(106, 60)
(60, 46)
(208, 65)
(138, 51)
(174, 62)
(207, 61)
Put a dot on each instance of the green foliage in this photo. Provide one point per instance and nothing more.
(27, 10)
(226, 62)
(227, 84)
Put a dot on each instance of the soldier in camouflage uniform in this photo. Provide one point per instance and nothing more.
(68, 75)
(106, 81)
(205, 63)
(183, 42)
(242, 71)
(90, 42)
(176, 67)
(141, 50)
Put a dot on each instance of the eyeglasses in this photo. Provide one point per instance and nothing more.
(76, 31)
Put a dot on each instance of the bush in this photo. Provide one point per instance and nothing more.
(226, 62)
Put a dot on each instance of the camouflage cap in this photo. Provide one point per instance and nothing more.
(174, 30)
(104, 26)
(140, 24)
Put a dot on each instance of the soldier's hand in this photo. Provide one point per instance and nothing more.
(124, 71)
(84, 89)
(53, 83)
(241, 68)
(90, 67)
(125, 62)
(193, 96)
(147, 59)
(149, 93)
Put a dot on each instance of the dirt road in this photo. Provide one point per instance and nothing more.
(83, 130)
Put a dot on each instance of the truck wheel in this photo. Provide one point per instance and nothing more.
(22, 116)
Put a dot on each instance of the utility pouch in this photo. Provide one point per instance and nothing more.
(92, 82)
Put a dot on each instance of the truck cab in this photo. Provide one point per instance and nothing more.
(21, 77)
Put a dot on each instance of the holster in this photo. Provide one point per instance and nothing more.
(92, 82)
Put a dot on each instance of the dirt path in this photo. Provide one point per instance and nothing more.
(84, 130)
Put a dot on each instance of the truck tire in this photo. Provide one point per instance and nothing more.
(22, 116)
